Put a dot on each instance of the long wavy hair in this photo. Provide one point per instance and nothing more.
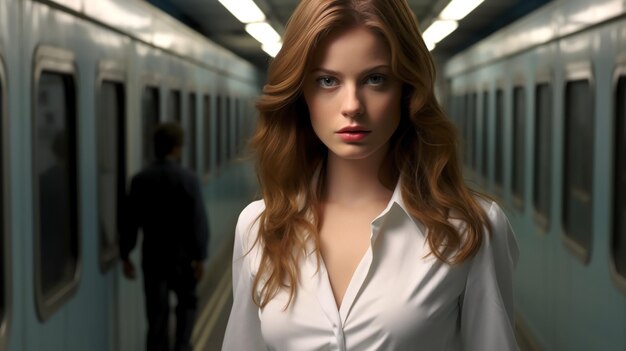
(423, 150)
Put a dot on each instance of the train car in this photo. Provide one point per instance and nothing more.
(541, 106)
(82, 85)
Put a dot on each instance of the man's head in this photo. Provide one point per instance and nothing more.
(168, 140)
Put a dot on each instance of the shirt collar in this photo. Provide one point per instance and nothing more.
(396, 204)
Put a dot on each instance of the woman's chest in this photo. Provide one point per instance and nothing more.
(398, 294)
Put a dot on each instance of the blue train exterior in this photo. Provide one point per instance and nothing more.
(112, 58)
(541, 107)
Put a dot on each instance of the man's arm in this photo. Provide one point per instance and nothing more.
(128, 229)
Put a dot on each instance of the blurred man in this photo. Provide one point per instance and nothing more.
(166, 203)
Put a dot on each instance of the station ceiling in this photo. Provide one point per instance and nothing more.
(211, 19)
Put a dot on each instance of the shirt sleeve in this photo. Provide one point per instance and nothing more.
(243, 331)
(487, 317)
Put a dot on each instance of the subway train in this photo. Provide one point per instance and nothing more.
(82, 85)
(541, 106)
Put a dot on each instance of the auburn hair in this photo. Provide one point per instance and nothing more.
(423, 150)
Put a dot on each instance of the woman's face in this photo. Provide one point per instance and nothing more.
(352, 95)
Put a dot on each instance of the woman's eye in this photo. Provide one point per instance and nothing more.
(376, 79)
(326, 82)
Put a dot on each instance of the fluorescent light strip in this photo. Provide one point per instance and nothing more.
(439, 30)
(272, 49)
(263, 32)
(458, 9)
(246, 11)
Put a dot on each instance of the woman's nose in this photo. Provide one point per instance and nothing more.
(352, 106)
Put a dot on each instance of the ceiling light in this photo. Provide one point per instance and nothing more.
(246, 11)
(272, 48)
(263, 32)
(439, 30)
(457, 9)
(430, 45)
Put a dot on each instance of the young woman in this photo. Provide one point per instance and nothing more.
(366, 237)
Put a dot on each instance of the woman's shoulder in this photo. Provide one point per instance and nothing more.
(247, 224)
(502, 239)
(251, 212)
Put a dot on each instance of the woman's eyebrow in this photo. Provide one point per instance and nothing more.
(336, 73)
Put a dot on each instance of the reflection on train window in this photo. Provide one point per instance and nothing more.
(543, 154)
(173, 106)
(519, 115)
(111, 167)
(619, 212)
(218, 133)
(578, 165)
(499, 132)
(150, 119)
(485, 141)
(207, 134)
(56, 188)
(191, 132)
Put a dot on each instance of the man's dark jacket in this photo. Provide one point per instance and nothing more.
(166, 202)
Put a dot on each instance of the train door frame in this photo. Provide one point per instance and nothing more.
(575, 71)
(149, 80)
(111, 71)
(618, 279)
(5, 318)
(189, 157)
(542, 76)
(60, 61)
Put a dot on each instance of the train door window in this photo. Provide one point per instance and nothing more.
(227, 116)
(55, 182)
(465, 116)
(219, 132)
(578, 166)
(471, 130)
(150, 119)
(519, 115)
(207, 134)
(499, 133)
(237, 123)
(543, 154)
(619, 212)
(5, 287)
(485, 140)
(111, 167)
(173, 106)
(191, 132)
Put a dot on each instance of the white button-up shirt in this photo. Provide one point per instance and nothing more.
(399, 297)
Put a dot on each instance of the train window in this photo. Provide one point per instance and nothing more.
(485, 140)
(173, 105)
(619, 212)
(543, 153)
(237, 130)
(472, 130)
(55, 183)
(578, 166)
(228, 132)
(207, 134)
(219, 133)
(150, 119)
(5, 287)
(111, 167)
(519, 115)
(499, 132)
(191, 132)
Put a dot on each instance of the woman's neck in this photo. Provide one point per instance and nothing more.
(355, 182)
